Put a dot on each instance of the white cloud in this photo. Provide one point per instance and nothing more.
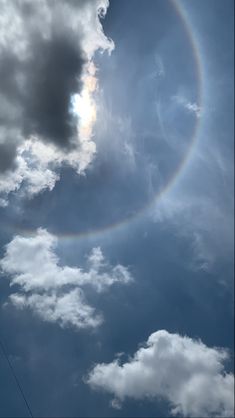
(53, 291)
(69, 308)
(37, 167)
(185, 372)
(35, 171)
(82, 19)
(189, 106)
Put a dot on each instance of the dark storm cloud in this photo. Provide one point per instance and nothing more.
(9, 109)
(39, 72)
(53, 75)
(7, 155)
(10, 67)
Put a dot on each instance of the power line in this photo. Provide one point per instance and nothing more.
(16, 378)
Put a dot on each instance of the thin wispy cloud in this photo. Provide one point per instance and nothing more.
(198, 221)
(189, 106)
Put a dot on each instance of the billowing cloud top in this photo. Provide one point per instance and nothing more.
(187, 373)
(46, 51)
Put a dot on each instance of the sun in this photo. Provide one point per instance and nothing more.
(83, 107)
(83, 104)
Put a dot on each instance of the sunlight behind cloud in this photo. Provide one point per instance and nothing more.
(83, 104)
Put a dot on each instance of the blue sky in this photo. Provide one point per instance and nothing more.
(116, 244)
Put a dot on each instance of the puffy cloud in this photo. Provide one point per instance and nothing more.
(187, 373)
(53, 291)
(47, 48)
(37, 167)
(67, 309)
(35, 171)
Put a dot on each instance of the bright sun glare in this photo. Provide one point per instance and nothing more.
(83, 104)
(83, 107)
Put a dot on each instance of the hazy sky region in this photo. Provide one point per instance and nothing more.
(116, 208)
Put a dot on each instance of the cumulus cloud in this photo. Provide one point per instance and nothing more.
(67, 309)
(46, 51)
(57, 293)
(185, 372)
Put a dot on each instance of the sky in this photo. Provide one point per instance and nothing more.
(116, 208)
